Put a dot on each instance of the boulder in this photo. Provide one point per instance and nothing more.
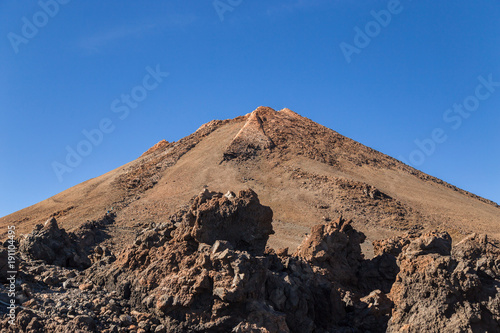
(336, 247)
(54, 246)
(239, 219)
(439, 290)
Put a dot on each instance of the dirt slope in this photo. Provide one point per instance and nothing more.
(305, 172)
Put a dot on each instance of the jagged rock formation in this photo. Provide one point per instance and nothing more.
(210, 273)
(238, 218)
(304, 171)
(157, 265)
(207, 270)
(54, 246)
(336, 247)
(440, 290)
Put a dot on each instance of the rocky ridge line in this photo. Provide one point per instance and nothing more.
(207, 270)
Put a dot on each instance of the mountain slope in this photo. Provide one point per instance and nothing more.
(305, 172)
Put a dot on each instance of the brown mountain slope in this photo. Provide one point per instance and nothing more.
(306, 172)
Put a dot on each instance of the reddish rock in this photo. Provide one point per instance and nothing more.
(252, 137)
(438, 290)
(240, 220)
(160, 145)
(208, 270)
(336, 247)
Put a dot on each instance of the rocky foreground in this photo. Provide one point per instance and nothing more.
(207, 269)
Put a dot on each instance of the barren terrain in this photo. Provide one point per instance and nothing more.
(305, 172)
(267, 223)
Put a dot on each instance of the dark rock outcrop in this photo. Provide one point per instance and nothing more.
(440, 290)
(54, 246)
(239, 219)
(211, 274)
(57, 247)
(207, 270)
(334, 246)
(91, 233)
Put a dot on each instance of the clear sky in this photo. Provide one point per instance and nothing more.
(417, 80)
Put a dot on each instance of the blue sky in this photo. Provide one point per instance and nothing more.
(384, 73)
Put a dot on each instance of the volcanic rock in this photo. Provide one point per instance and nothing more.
(240, 220)
(334, 246)
(252, 137)
(438, 290)
(304, 171)
(207, 269)
(54, 246)
(211, 274)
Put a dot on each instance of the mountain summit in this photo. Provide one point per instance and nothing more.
(305, 172)
(268, 222)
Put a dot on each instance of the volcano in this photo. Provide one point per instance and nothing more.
(305, 172)
(267, 222)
